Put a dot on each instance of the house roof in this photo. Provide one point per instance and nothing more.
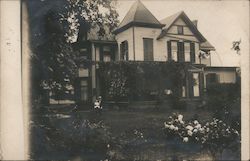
(169, 21)
(138, 15)
(218, 68)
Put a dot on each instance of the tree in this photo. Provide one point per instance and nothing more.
(236, 46)
(54, 62)
(100, 15)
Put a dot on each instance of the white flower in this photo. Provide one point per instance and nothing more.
(176, 129)
(180, 117)
(198, 126)
(207, 129)
(185, 139)
(190, 133)
(166, 125)
(195, 131)
(196, 122)
(201, 129)
(182, 122)
(108, 146)
(189, 128)
(172, 127)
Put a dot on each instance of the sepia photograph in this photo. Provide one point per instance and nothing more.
(133, 79)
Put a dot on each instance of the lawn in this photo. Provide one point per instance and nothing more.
(123, 134)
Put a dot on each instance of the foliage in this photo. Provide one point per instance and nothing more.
(236, 46)
(54, 62)
(144, 80)
(99, 15)
(221, 97)
(213, 135)
(77, 134)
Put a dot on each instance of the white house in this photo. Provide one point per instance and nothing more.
(141, 37)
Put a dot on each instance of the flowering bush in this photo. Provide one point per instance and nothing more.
(214, 135)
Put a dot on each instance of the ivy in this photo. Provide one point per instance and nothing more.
(134, 80)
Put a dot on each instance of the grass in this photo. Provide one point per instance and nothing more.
(54, 138)
(122, 125)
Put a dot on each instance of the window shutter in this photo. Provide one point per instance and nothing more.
(148, 49)
(192, 52)
(180, 51)
(169, 50)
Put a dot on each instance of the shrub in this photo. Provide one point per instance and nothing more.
(222, 97)
(214, 135)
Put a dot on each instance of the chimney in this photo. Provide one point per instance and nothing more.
(195, 22)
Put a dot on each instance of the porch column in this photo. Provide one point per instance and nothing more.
(93, 72)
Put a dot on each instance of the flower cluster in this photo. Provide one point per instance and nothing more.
(215, 133)
(186, 130)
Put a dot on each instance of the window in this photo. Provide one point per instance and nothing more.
(174, 50)
(196, 85)
(84, 53)
(183, 91)
(106, 54)
(97, 56)
(180, 30)
(212, 78)
(148, 49)
(106, 58)
(124, 50)
(187, 51)
(181, 51)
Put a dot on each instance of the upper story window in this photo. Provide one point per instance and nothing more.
(124, 50)
(181, 51)
(148, 49)
(174, 50)
(180, 30)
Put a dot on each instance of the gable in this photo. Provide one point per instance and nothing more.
(180, 22)
(180, 19)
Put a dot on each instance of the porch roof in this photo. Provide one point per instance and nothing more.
(207, 46)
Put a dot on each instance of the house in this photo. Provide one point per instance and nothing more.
(142, 37)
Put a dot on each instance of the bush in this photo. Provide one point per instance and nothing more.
(222, 97)
(214, 135)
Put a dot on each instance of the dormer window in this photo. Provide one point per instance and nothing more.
(180, 30)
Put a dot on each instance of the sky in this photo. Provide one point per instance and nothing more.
(220, 22)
